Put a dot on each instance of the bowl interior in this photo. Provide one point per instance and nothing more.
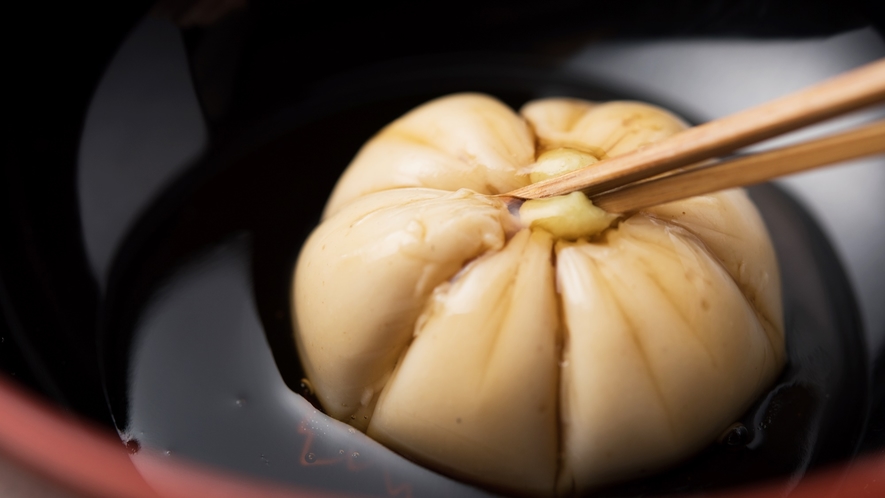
(196, 344)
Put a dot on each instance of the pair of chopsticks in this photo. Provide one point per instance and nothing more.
(622, 184)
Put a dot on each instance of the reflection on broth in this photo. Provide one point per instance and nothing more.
(203, 384)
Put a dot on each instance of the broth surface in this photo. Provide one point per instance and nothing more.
(200, 362)
(204, 384)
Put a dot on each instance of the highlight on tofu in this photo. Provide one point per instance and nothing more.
(548, 348)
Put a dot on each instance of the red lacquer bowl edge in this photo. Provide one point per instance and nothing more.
(77, 456)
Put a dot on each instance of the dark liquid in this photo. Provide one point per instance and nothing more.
(200, 360)
(204, 384)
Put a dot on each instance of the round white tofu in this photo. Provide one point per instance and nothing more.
(547, 349)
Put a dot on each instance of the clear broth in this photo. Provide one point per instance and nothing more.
(200, 363)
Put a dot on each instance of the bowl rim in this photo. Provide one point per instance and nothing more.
(81, 457)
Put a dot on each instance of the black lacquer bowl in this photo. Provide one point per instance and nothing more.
(186, 348)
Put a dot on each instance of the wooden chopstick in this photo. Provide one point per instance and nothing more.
(756, 168)
(847, 92)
